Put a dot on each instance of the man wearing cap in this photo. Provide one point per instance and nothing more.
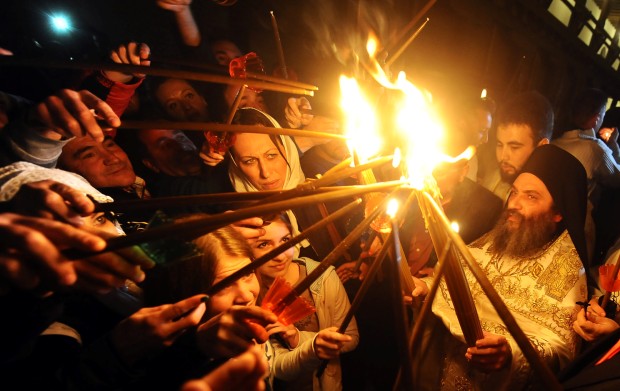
(533, 258)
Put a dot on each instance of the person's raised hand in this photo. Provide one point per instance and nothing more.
(152, 329)
(491, 353)
(70, 113)
(131, 53)
(251, 228)
(296, 111)
(234, 331)
(289, 333)
(329, 342)
(30, 252)
(209, 156)
(244, 372)
(103, 272)
(52, 200)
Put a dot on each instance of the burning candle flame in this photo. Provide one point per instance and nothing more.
(360, 121)
(392, 207)
(483, 94)
(455, 226)
(419, 129)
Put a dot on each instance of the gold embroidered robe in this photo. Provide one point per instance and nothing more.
(540, 292)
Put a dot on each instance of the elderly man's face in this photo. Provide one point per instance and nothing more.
(529, 221)
(103, 164)
(528, 198)
(170, 152)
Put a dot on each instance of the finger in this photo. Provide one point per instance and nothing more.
(132, 53)
(179, 308)
(80, 120)
(114, 267)
(122, 54)
(17, 273)
(115, 57)
(61, 234)
(256, 314)
(101, 108)
(79, 202)
(93, 280)
(250, 222)
(60, 118)
(144, 51)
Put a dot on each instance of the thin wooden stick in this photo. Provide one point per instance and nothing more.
(201, 226)
(279, 80)
(276, 34)
(217, 127)
(400, 50)
(409, 26)
(162, 72)
(235, 105)
(455, 276)
(330, 259)
(428, 303)
(202, 199)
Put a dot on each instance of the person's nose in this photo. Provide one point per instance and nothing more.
(280, 257)
(514, 202)
(244, 294)
(110, 158)
(265, 170)
(503, 154)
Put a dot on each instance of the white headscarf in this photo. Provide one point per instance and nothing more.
(294, 174)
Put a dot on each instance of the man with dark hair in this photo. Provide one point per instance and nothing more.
(601, 159)
(533, 257)
(523, 123)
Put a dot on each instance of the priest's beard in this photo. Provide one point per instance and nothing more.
(526, 240)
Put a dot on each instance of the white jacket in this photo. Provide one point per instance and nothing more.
(332, 304)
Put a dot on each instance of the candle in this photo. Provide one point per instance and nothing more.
(201, 226)
(276, 34)
(163, 72)
(217, 127)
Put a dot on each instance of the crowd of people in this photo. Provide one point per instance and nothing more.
(536, 205)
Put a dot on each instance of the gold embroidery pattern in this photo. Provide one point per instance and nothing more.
(559, 277)
(510, 278)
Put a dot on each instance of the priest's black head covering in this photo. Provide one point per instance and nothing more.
(566, 181)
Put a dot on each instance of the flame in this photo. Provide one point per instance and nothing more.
(392, 207)
(416, 122)
(483, 94)
(455, 226)
(360, 120)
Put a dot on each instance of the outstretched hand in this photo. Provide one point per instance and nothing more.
(152, 329)
(244, 372)
(52, 200)
(234, 331)
(132, 54)
(71, 113)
